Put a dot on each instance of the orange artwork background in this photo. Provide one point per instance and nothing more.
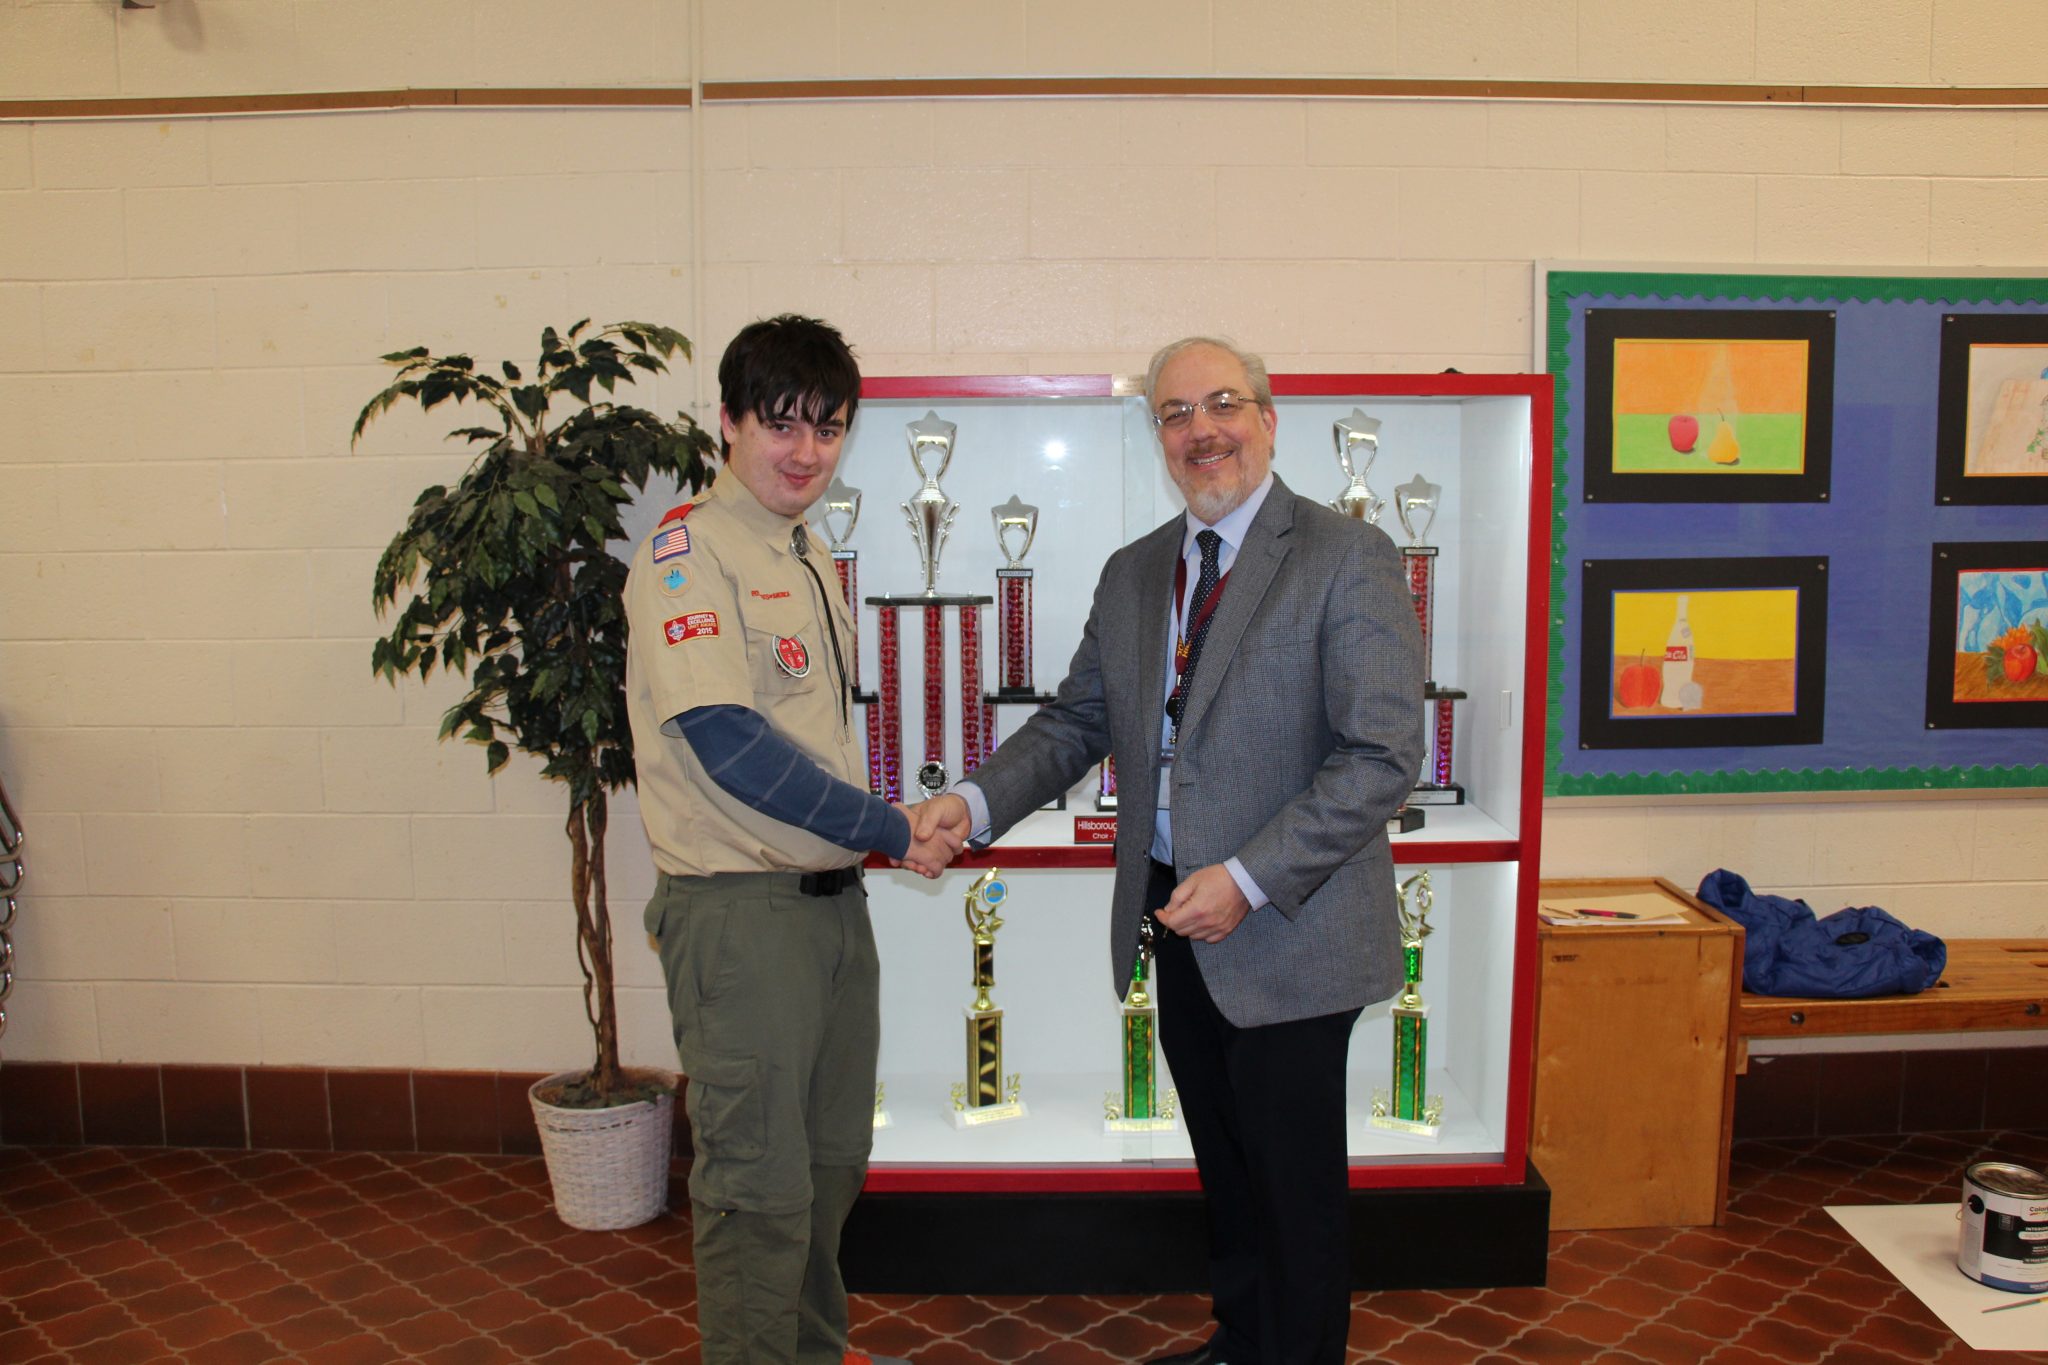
(1666, 376)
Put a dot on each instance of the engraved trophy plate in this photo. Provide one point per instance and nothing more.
(881, 1114)
(1409, 1110)
(1358, 445)
(987, 1095)
(1138, 1109)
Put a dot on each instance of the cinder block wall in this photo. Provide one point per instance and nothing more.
(246, 851)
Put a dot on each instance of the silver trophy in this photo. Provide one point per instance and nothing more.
(1358, 444)
(1416, 500)
(1015, 515)
(930, 511)
(839, 501)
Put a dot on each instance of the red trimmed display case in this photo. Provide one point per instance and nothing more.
(1069, 1206)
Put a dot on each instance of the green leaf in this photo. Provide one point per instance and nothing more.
(496, 756)
(545, 496)
(524, 501)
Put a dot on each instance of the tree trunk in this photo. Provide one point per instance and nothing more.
(586, 828)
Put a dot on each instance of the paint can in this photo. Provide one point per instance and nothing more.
(2005, 1227)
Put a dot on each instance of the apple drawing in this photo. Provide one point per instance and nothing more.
(1685, 433)
(1639, 684)
(2020, 662)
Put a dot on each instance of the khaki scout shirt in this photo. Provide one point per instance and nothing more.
(721, 613)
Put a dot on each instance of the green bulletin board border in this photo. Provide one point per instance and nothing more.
(1560, 287)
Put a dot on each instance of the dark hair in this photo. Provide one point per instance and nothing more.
(788, 366)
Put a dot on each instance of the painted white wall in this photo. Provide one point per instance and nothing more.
(246, 850)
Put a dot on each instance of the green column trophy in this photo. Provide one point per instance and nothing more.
(1139, 1110)
(1410, 1112)
(987, 1095)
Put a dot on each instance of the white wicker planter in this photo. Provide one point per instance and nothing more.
(609, 1167)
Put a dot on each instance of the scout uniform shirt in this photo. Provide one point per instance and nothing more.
(719, 612)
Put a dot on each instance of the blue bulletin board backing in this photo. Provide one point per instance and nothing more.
(1876, 528)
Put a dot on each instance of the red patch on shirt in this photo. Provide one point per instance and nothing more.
(791, 654)
(690, 627)
(676, 513)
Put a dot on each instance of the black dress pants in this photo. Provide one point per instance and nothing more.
(1264, 1108)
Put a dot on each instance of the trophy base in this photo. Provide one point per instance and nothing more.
(1448, 795)
(866, 698)
(1404, 821)
(1016, 696)
(1130, 1127)
(1106, 803)
(1414, 1128)
(931, 599)
(989, 1113)
(1430, 691)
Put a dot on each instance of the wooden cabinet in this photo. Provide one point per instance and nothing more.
(1634, 1094)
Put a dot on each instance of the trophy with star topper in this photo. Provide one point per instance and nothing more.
(930, 514)
(1358, 445)
(1138, 1109)
(987, 1095)
(1409, 1110)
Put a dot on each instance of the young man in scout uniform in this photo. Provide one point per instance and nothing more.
(737, 684)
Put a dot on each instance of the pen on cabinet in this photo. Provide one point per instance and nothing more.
(1601, 914)
(2000, 1308)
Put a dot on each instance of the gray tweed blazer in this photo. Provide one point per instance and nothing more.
(1303, 733)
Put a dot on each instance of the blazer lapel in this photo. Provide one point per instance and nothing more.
(1152, 604)
(1258, 560)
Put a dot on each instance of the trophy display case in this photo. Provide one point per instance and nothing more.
(1455, 468)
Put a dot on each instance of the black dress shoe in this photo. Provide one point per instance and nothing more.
(1205, 1354)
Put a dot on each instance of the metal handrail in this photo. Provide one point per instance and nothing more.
(11, 872)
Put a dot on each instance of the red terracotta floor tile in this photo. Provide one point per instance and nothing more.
(132, 1255)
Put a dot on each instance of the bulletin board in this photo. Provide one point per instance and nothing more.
(1801, 532)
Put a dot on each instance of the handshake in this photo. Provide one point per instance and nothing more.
(938, 831)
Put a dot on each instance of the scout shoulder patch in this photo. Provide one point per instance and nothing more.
(690, 626)
(674, 580)
(671, 541)
(790, 653)
(676, 513)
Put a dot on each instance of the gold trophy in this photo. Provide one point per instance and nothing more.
(1139, 1110)
(987, 1095)
(1409, 1112)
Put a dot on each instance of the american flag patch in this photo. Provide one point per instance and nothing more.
(671, 541)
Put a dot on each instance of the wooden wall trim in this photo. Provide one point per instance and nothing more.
(328, 101)
(1032, 87)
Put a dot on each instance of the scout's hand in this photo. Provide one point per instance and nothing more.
(946, 814)
(1207, 906)
(931, 854)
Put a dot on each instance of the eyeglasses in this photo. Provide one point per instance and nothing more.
(1224, 405)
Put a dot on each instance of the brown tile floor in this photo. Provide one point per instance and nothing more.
(132, 1254)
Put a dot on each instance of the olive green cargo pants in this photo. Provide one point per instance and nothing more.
(774, 998)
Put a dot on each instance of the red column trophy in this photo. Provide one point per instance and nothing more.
(1358, 445)
(931, 514)
(1415, 502)
(841, 515)
(1019, 520)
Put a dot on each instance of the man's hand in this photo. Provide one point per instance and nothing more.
(947, 815)
(1206, 906)
(932, 850)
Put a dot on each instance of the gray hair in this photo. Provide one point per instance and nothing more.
(1254, 368)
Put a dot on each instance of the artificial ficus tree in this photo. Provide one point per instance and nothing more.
(510, 580)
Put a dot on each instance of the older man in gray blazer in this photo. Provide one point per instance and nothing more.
(1256, 669)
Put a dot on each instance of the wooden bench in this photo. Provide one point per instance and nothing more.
(1989, 983)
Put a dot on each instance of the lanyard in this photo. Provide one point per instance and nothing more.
(1194, 627)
